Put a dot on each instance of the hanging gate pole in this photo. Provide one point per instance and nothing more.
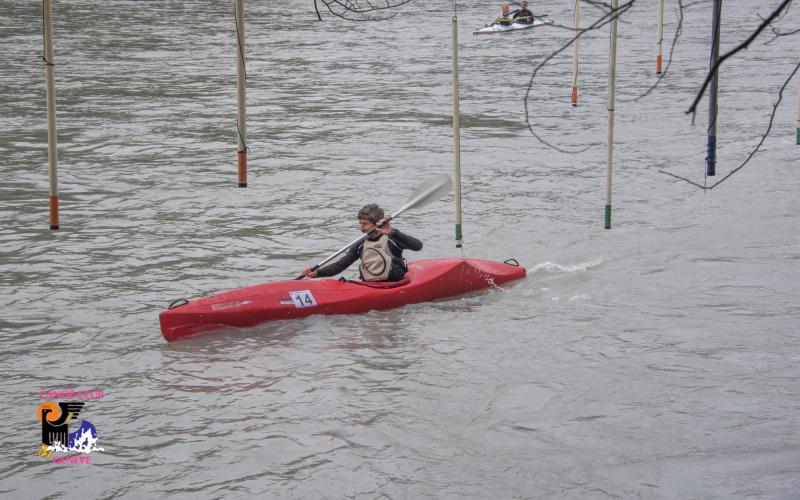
(711, 150)
(456, 133)
(660, 35)
(52, 137)
(241, 80)
(612, 75)
(575, 55)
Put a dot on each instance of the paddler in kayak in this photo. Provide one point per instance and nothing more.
(523, 15)
(381, 253)
(504, 18)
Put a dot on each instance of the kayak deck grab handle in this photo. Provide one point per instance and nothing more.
(177, 303)
(512, 262)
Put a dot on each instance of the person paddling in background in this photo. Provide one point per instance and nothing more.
(381, 253)
(504, 18)
(523, 15)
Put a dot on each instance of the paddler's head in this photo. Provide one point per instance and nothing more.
(368, 216)
(524, 4)
(505, 7)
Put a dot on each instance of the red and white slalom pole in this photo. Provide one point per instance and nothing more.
(52, 135)
(660, 35)
(241, 80)
(575, 55)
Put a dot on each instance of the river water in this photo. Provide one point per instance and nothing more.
(657, 359)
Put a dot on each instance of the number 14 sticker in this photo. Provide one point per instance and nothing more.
(303, 298)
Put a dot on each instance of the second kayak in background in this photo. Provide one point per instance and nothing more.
(500, 28)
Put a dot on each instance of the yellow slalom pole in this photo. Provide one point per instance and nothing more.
(241, 80)
(52, 134)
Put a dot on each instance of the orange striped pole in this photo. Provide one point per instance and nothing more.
(575, 55)
(54, 212)
(52, 147)
(241, 79)
(242, 168)
(660, 35)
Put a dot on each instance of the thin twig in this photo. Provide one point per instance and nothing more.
(755, 150)
(602, 21)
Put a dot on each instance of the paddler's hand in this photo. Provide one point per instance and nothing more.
(384, 227)
(308, 273)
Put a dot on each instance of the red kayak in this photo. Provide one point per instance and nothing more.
(426, 280)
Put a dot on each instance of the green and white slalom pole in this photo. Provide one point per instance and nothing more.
(612, 75)
(456, 131)
(52, 134)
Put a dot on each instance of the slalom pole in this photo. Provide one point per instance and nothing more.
(711, 149)
(575, 55)
(660, 35)
(798, 109)
(456, 132)
(612, 75)
(241, 80)
(52, 137)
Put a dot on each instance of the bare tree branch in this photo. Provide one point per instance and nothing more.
(602, 21)
(693, 108)
(360, 10)
(775, 31)
(755, 150)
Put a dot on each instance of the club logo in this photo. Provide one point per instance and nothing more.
(64, 441)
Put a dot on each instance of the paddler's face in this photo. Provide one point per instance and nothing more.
(365, 225)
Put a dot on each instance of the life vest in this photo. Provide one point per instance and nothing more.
(376, 259)
(523, 17)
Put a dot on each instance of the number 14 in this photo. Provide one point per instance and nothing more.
(303, 298)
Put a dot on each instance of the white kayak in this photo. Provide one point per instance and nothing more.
(500, 28)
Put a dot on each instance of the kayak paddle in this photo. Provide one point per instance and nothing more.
(430, 190)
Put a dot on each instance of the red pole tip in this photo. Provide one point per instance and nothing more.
(242, 161)
(54, 212)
